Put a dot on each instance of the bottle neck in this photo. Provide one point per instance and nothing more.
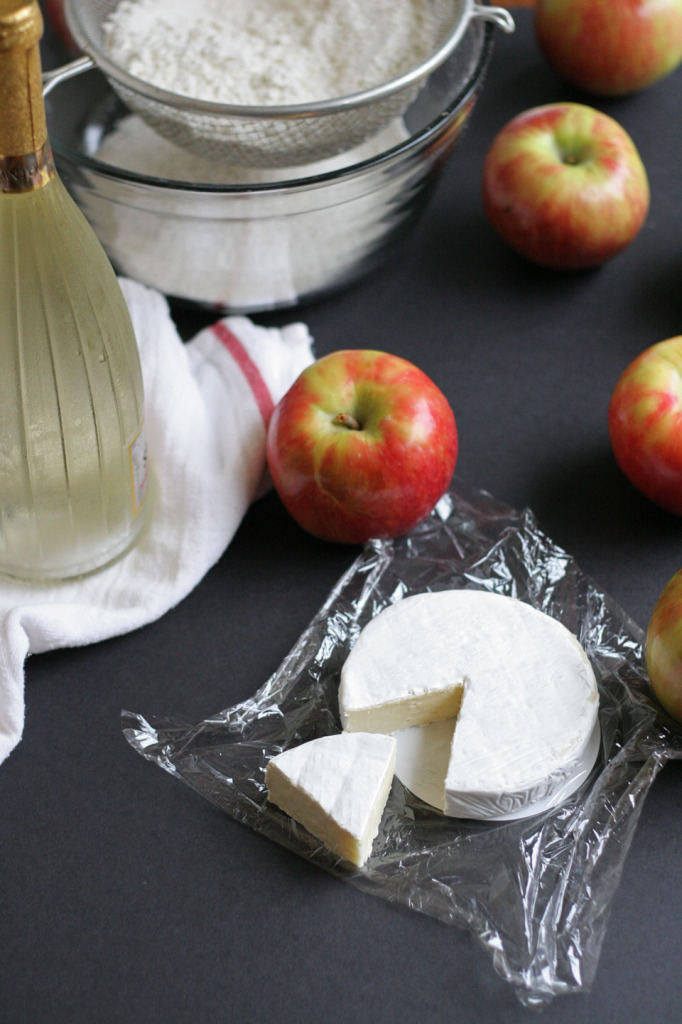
(25, 154)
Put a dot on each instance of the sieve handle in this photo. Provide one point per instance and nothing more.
(76, 67)
(499, 15)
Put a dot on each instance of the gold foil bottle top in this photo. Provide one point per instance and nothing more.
(21, 23)
(24, 149)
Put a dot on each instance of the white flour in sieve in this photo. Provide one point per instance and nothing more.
(264, 52)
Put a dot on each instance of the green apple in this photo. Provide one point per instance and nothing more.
(564, 185)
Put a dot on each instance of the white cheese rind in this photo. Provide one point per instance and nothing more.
(422, 760)
(336, 787)
(529, 704)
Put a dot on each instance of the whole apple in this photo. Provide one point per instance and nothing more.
(564, 185)
(362, 446)
(610, 47)
(645, 423)
(663, 648)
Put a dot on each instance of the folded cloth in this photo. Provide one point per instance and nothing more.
(207, 406)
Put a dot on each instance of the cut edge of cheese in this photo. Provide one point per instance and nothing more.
(336, 787)
(421, 765)
(414, 709)
(466, 796)
(486, 803)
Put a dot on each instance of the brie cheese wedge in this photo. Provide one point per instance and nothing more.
(524, 695)
(336, 787)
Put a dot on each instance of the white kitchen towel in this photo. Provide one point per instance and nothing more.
(207, 405)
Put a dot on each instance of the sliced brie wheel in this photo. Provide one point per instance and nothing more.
(336, 787)
(525, 694)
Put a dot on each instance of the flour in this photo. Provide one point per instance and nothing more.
(265, 52)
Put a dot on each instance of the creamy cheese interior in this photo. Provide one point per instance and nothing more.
(336, 787)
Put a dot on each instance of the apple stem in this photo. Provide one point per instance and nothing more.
(343, 419)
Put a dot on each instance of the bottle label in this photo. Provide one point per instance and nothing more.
(28, 172)
(138, 467)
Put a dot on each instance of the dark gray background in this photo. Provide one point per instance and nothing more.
(123, 895)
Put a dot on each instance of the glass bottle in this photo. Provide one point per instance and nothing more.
(73, 461)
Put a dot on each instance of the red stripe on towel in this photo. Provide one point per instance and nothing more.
(246, 364)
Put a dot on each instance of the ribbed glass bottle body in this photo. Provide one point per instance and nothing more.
(72, 447)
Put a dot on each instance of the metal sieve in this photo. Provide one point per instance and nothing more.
(267, 136)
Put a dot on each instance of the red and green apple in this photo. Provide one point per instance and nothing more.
(610, 47)
(564, 185)
(645, 423)
(663, 648)
(363, 445)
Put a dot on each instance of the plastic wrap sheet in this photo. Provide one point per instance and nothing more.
(535, 892)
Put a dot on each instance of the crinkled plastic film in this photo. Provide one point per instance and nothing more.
(535, 892)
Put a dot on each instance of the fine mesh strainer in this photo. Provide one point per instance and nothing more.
(267, 136)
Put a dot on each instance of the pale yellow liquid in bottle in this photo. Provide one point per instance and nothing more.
(72, 451)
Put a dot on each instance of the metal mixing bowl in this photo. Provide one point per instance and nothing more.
(244, 241)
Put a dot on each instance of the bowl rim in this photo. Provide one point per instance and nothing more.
(472, 83)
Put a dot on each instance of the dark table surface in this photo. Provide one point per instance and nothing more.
(126, 897)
